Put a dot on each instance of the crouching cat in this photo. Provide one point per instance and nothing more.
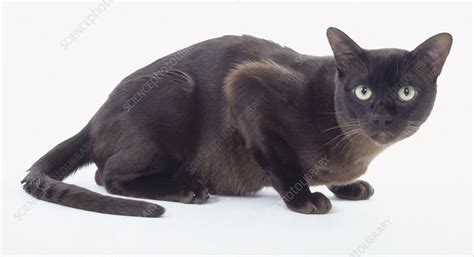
(231, 115)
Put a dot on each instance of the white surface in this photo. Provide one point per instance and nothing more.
(423, 184)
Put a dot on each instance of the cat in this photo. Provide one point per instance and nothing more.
(233, 114)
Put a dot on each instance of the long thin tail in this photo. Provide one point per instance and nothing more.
(44, 181)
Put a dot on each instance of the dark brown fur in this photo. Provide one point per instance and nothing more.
(234, 114)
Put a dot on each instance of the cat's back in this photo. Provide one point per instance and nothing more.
(218, 55)
(207, 63)
(183, 88)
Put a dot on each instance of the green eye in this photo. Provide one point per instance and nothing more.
(362, 92)
(406, 93)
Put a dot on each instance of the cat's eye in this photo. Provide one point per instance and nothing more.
(406, 93)
(363, 92)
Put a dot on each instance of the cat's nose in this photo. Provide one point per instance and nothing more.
(382, 120)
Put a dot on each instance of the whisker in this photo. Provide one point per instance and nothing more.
(346, 137)
(345, 125)
(333, 139)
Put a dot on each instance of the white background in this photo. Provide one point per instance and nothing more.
(422, 185)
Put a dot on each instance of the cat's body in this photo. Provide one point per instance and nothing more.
(210, 144)
(229, 116)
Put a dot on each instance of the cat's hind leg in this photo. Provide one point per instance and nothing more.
(147, 176)
(157, 187)
(358, 190)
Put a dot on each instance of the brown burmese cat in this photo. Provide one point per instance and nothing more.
(234, 114)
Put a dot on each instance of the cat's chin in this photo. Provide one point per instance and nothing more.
(383, 138)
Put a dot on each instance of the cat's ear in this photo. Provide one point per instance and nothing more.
(430, 55)
(348, 55)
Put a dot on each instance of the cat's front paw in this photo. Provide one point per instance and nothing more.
(315, 203)
(359, 190)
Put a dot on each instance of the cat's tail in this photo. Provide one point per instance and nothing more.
(44, 181)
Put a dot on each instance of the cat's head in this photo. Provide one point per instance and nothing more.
(385, 94)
